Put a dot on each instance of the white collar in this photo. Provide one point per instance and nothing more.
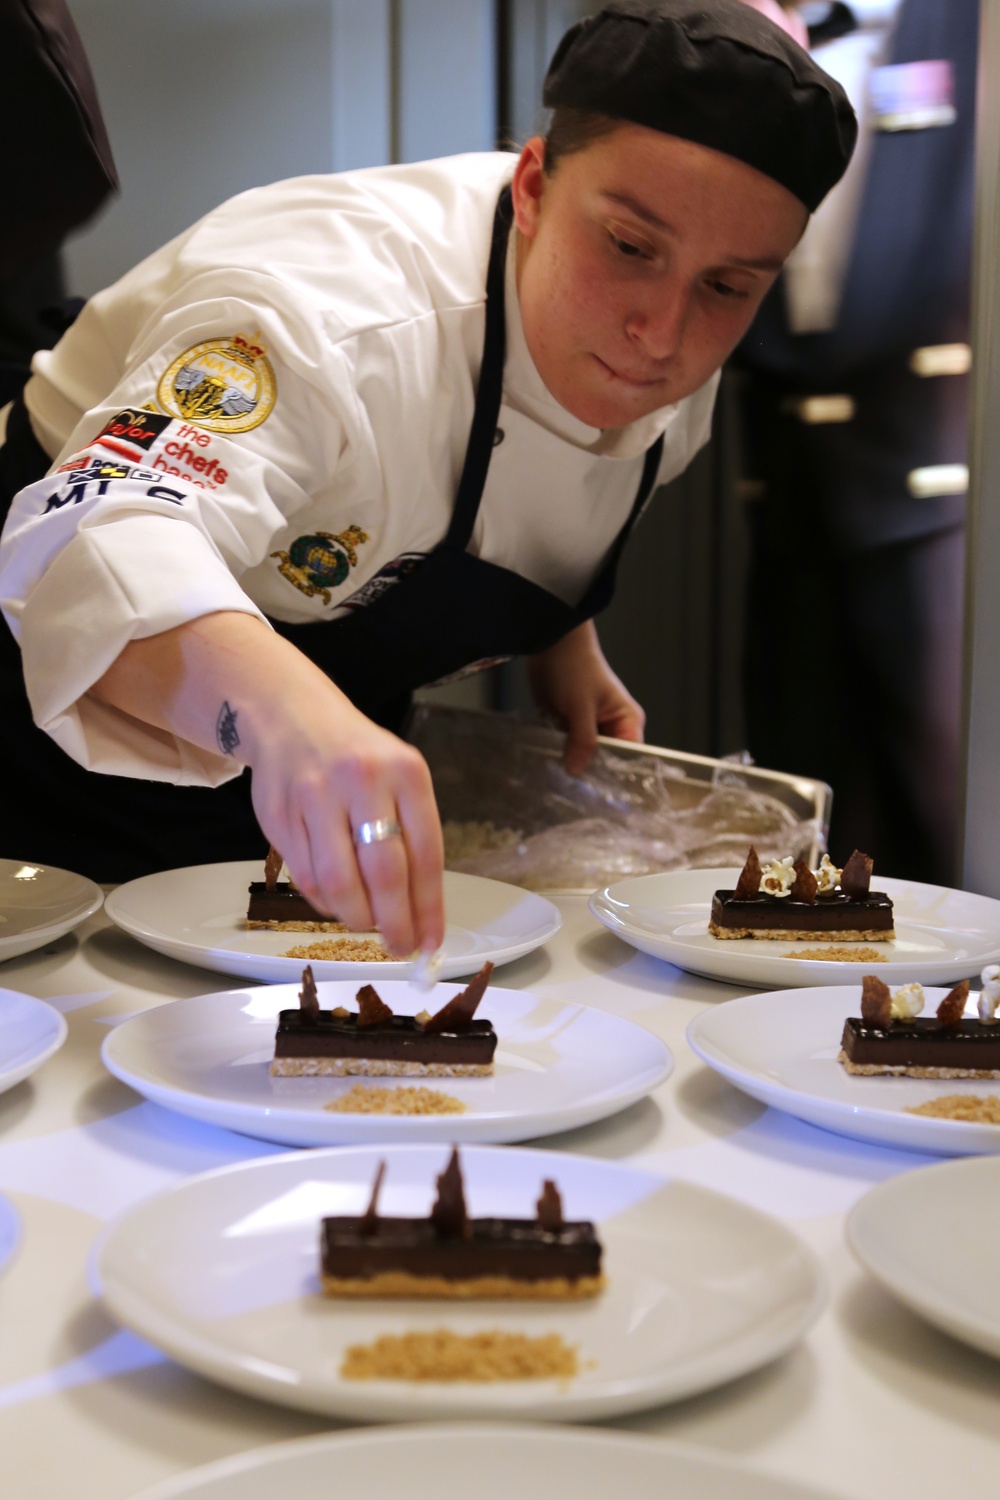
(527, 393)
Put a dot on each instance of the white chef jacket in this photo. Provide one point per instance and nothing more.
(302, 363)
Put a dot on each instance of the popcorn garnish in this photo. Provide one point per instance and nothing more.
(908, 1001)
(989, 999)
(778, 877)
(827, 876)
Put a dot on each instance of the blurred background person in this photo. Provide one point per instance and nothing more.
(57, 171)
(855, 398)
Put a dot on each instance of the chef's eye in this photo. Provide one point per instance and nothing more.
(629, 248)
(723, 289)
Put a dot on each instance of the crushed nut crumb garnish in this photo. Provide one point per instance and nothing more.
(351, 950)
(440, 1354)
(366, 1099)
(977, 1109)
(840, 955)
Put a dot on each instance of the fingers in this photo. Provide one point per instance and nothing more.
(581, 741)
(395, 883)
(312, 797)
(627, 723)
(422, 829)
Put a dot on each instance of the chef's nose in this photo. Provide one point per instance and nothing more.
(659, 325)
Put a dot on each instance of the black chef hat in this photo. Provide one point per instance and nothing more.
(715, 72)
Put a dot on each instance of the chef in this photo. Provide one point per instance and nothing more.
(350, 435)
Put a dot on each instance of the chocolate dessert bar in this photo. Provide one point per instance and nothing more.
(279, 906)
(373, 1042)
(787, 901)
(890, 1036)
(450, 1255)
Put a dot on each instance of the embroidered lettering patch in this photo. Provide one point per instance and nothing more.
(321, 561)
(187, 451)
(91, 482)
(132, 432)
(226, 385)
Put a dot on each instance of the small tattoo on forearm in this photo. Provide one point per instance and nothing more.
(225, 729)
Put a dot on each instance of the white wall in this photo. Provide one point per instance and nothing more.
(204, 98)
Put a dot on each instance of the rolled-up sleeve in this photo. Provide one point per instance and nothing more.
(155, 510)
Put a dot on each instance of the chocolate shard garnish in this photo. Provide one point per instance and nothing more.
(856, 876)
(449, 1215)
(549, 1208)
(372, 1009)
(748, 884)
(368, 1223)
(952, 1007)
(876, 1002)
(272, 868)
(805, 885)
(308, 997)
(458, 1013)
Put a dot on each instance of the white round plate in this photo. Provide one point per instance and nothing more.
(930, 1237)
(30, 1031)
(781, 1047)
(10, 1233)
(221, 1272)
(198, 915)
(39, 903)
(492, 1462)
(557, 1066)
(941, 935)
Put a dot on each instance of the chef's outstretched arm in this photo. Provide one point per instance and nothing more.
(572, 679)
(320, 768)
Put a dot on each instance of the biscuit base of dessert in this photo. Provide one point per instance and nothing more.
(392, 1284)
(255, 926)
(800, 934)
(373, 1067)
(913, 1070)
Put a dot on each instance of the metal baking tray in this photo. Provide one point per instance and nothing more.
(500, 770)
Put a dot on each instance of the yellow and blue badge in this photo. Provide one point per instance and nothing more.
(226, 385)
(321, 561)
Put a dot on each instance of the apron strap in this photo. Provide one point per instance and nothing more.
(479, 450)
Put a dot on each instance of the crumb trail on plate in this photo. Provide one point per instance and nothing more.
(363, 1099)
(978, 1109)
(350, 950)
(840, 955)
(442, 1355)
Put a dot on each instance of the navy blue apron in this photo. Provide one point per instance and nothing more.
(448, 612)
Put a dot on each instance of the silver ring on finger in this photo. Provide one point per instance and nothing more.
(376, 831)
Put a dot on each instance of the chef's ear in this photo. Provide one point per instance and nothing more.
(528, 185)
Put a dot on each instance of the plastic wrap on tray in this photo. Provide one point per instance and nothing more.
(511, 811)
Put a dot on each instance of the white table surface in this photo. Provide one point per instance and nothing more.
(873, 1404)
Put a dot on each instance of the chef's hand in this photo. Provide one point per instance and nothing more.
(572, 679)
(320, 768)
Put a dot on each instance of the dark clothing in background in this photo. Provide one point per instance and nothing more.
(855, 614)
(57, 164)
(57, 170)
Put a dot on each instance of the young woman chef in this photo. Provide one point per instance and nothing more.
(351, 434)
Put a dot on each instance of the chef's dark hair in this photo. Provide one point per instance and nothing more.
(572, 130)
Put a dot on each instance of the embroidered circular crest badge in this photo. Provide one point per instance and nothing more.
(320, 561)
(226, 385)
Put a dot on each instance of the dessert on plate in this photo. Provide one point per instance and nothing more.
(891, 1036)
(277, 904)
(785, 901)
(450, 1255)
(373, 1042)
